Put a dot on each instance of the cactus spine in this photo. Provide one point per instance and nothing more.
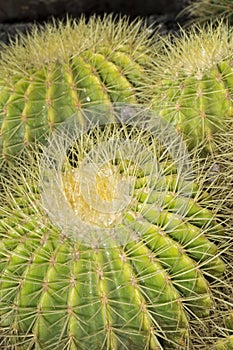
(205, 10)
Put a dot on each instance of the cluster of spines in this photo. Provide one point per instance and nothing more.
(206, 10)
(143, 294)
(194, 90)
(158, 257)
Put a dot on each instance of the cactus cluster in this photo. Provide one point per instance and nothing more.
(113, 236)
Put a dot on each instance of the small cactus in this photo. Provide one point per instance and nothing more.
(106, 243)
(194, 89)
(59, 69)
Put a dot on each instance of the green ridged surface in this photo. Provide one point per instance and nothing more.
(59, 70)
(197, 107)
(59, 294)
(194, 89)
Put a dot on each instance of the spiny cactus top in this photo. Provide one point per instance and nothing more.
(107, 245)
(48, 75)
(194, 88)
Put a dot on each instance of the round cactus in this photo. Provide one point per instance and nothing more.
(106, 243)
(59, 69)
(194, 88)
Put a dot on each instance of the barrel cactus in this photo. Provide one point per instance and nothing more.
(194, 88)
(60, 68)
(106, 241)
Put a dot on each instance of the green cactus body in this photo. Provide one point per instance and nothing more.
(51, 74)
(57, 291)
(195, 89)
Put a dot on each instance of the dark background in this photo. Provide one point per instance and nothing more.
(19, 15)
